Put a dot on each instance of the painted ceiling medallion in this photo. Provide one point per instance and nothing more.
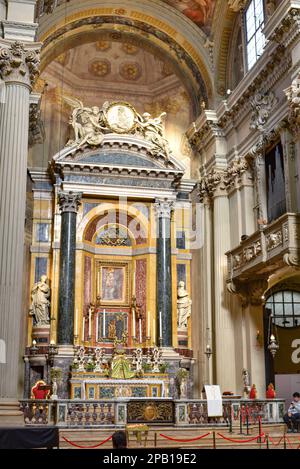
(100, 68)
(120, 117)
(130, 71)
(129, 49)
(103, 45)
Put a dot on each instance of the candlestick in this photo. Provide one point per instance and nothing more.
(104, 333)
(148, 328)
(76, 323)
(83, 324)
(154, 332)
(160, 326)
(133, 283)
(97, 327)
(133, 322)
(140, 329)
(90, 322)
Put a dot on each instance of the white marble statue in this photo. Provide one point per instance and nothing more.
(152, 129)
(40, 303)
(86, 123)
(184, 306)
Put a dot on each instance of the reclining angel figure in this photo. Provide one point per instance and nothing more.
(86, 123)
(152, 129)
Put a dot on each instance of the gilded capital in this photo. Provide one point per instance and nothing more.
(18, 64)
(69, 201)
(163, 208)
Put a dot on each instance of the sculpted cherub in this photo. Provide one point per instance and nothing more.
(152, 129)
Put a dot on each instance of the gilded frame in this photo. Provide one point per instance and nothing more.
(112, 283)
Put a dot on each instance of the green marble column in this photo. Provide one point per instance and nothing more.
(69, 203)
(164, 272)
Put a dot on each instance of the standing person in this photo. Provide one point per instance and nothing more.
(119, 440)
(293, 413)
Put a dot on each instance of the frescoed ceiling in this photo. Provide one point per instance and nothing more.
(199, 11)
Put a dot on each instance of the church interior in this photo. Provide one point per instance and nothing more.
(149, 213)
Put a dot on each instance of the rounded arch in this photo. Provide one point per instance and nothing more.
(94, 214)
(159, 23)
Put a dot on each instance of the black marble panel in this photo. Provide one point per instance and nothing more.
(66, 279)
(121, 159)
(164, 281)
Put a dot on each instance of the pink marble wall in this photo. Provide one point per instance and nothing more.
(141, 289)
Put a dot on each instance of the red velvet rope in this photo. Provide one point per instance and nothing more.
(273, 442)
(184, 441)
(240, 441)
(87, 447)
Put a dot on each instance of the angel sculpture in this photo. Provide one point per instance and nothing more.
(86, 123)
(152, 129)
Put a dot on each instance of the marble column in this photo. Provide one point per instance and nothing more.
(163, 210)
(18, 68)
(69, 203)
(223, 320)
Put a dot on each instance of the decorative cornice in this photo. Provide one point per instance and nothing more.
(284, 26)
(262, 105)
(19, 64)
(205, 128)
(69, 201)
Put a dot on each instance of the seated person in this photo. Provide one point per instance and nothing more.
(293, 413)
(119, 440)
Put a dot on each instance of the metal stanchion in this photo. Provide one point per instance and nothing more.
(214, 440)
(247, 423)
(241, 423)
(267, 441)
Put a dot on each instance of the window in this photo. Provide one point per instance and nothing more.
(285, 308)
(255, 40)
(275, 182)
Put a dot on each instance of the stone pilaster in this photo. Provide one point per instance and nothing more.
(18, 68)
(251, 294)
(163, 210)
(69, 203)
(214, 185)
(223, 320)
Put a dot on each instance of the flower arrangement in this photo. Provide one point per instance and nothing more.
(56, 374)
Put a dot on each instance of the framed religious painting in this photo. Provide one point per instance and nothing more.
(112, 283)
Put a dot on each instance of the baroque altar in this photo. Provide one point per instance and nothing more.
(115, 268)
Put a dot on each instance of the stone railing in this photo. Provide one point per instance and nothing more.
(93, 413)
(235, 412)
(275, 243)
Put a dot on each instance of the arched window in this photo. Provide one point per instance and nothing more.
(285, 308)
(254, 23)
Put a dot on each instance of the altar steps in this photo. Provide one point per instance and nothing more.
(10, 413)
(92, 437)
